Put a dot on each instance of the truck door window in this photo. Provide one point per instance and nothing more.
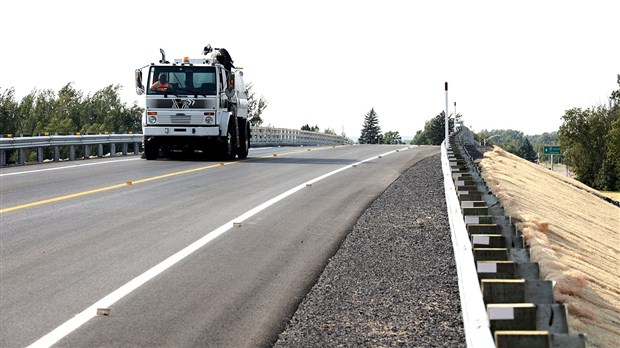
(222, 78)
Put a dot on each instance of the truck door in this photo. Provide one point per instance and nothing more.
(221, 83)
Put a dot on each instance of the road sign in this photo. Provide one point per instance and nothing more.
(551, 150)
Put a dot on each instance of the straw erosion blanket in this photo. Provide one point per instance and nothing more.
(572, 233)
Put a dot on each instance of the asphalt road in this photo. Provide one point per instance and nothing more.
(248, 239)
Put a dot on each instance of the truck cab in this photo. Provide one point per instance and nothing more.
(200, 105)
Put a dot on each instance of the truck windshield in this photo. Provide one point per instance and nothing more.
(182, 80)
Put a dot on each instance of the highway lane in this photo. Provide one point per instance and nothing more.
(59, 258)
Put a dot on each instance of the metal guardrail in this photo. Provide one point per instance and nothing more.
(39, 143)
(502, 291)
(266, 136)
(261, 137)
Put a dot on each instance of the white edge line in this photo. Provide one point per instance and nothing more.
(80, 319)
(475, 320)
(68, 167)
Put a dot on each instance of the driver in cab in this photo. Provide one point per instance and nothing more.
(162, 85)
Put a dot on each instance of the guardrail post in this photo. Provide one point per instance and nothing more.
(125, 145)
(100, 150)
(2, 158)
(21, 156)
(39, 155)
(71, 153)
(86, 151)
(112, 149)
(136, 148)
(56, 154)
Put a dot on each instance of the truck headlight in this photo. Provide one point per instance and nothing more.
(152, 119)
(209, 120)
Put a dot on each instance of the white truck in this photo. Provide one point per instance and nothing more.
(200, 105)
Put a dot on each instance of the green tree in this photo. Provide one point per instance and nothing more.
(613, 148)
(583, 135)
(516, 143)
(43, 111)
(10, 122)
(608, 177)
(526, 151)
(68, 109)
(371, 132)
(392, 138)
(104, 112)
(329, 131)
(434, 131)
(25, 112)
(540, 140)
(307, 127)
(508, 139)
(255, 106)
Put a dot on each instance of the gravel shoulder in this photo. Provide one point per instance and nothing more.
(393, 282)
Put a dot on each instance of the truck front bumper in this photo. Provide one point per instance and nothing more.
(162, 131)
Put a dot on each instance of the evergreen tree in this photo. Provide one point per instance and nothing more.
(526, 151)
(371, 132)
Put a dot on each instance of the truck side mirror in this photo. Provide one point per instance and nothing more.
(230, 89)
(139, 86)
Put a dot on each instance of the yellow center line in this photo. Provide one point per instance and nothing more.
(107, 188)
(61, 198)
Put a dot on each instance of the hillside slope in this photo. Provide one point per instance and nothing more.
(572, 233)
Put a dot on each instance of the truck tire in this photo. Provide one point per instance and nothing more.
(227, 147)
(244, 139)
(151, 149)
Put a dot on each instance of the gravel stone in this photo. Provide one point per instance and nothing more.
(393, 282)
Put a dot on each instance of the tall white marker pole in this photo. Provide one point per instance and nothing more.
(446, 116)
(455, 125)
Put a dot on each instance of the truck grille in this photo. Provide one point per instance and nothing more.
(179, 119)
(168, 103)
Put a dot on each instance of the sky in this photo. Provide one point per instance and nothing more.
(509, 64)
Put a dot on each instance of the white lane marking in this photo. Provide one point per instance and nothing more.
(80, 319)
(86, 165)
(68, 167)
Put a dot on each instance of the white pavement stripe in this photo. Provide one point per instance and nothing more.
(68, 167)
(80, 319)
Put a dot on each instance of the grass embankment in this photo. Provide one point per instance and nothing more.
(572, 233)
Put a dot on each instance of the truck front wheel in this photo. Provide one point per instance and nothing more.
(227, 147)
(151, 149)
(244, 139)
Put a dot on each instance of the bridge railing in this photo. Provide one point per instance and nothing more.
(267, 136)
(50, 147)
